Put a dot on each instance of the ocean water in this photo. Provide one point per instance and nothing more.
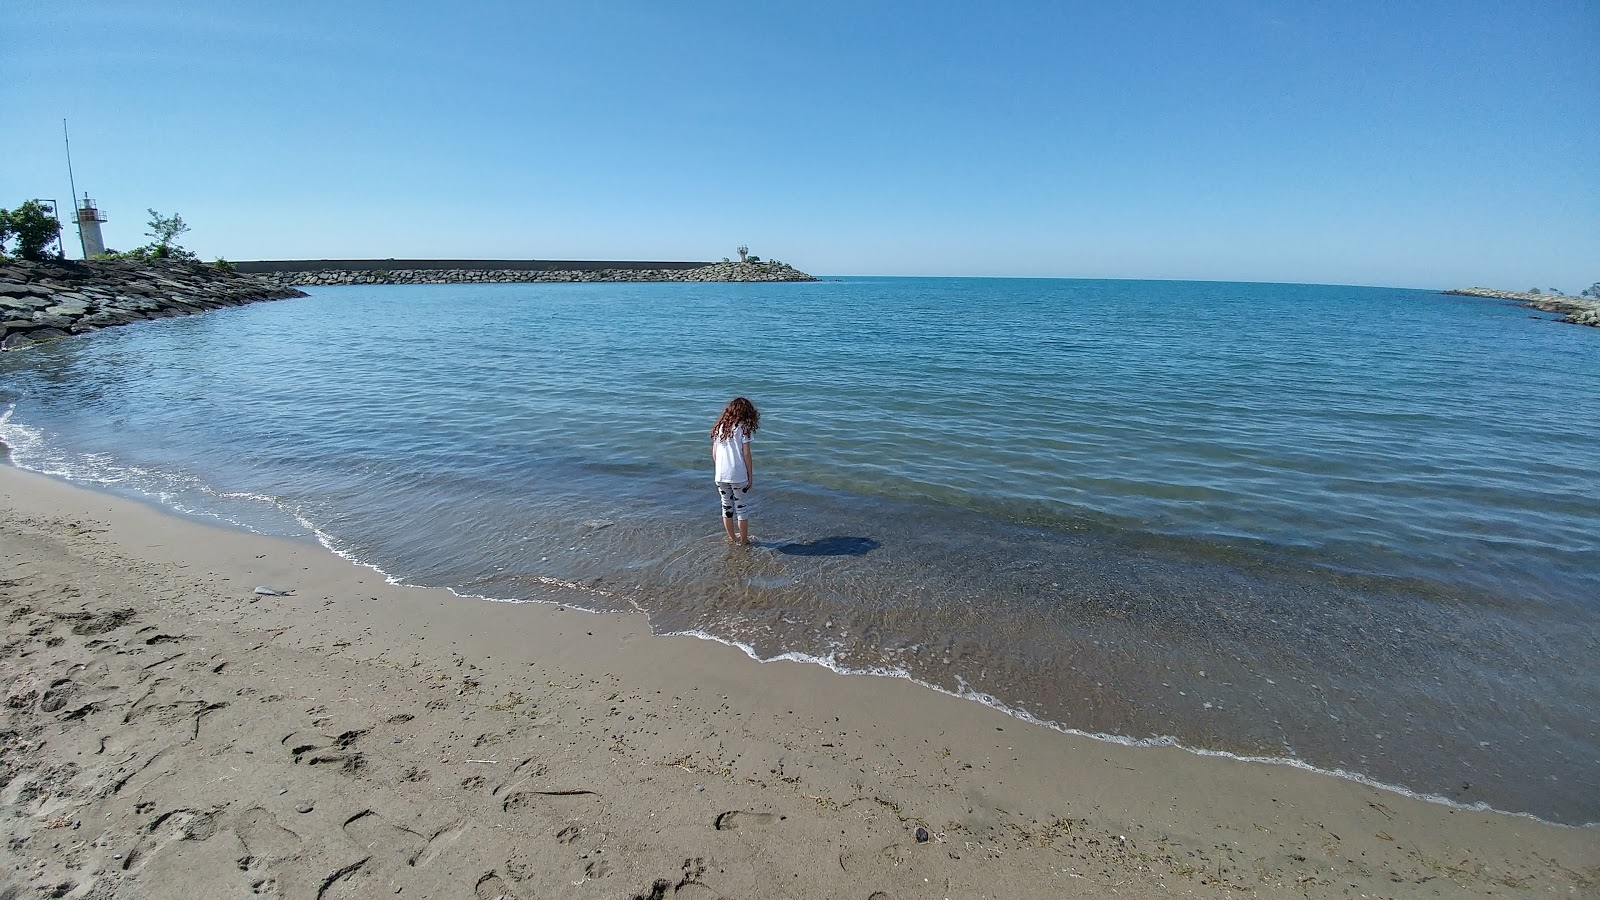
(1346, 528)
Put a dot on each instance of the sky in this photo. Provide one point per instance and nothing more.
(1411, 144)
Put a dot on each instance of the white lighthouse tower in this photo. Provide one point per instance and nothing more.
(89, 218)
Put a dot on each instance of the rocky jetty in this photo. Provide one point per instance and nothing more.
(1576, 310)
(47, 300)
(728, 271)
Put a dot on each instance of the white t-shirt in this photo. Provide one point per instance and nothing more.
(728, 453)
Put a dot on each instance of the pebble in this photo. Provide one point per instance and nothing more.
(922, 835)
(304, 808)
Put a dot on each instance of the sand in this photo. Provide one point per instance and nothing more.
(169, 733)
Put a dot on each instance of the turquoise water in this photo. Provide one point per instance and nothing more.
(1349, 528)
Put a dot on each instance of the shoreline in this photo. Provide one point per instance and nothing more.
(562, 594)
(1166, 742)
(729, 776)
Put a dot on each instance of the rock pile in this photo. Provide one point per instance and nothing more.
(48, 300)
(728, 271)
(1577, 310)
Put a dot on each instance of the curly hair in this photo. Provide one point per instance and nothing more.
(739, 411)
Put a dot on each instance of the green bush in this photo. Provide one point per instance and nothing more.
(136, 253)
(34, 230)
(222, 265)
(164, 231)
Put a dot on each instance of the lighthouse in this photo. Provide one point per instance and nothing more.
(89, 218)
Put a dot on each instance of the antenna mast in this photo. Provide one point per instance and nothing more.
(74, 184)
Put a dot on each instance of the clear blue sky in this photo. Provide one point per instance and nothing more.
(1397, 143)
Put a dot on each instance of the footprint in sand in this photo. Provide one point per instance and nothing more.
(596, 868)
(492, 887)
(57, 696)
(174, 825)
(259, 831)
(89, 623)
(373, 834)
(383, 838)
(736, 819)
(348, 881)
(316, 749)
(525, 799)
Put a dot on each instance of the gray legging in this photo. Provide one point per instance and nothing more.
(733, 505)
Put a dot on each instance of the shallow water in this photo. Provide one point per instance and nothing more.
(1352, 528)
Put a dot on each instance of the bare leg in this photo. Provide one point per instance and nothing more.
(744, 532)
(727, 525)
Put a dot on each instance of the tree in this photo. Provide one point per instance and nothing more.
(1592, 290)
(35, 230)
(5, 230)
(164, 231)
(1534, 291)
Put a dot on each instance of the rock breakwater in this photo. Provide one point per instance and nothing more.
(47, 300)
(728, 271)
(1575, 310)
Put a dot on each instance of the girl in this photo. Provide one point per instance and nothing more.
(735, 473)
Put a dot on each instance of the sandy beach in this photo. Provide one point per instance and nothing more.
(171, 733)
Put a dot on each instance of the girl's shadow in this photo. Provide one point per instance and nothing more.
(835, 545)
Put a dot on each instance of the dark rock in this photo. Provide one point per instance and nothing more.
(108, 317)
(41, 301)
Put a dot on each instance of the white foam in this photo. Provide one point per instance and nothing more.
(32, 450)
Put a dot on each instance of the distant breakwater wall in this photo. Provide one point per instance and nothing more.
(1575, 310)
(42, 301)
(301, 273)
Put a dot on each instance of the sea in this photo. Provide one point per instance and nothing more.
(1350, 529)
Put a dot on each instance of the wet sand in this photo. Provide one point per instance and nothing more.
(169, 733)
